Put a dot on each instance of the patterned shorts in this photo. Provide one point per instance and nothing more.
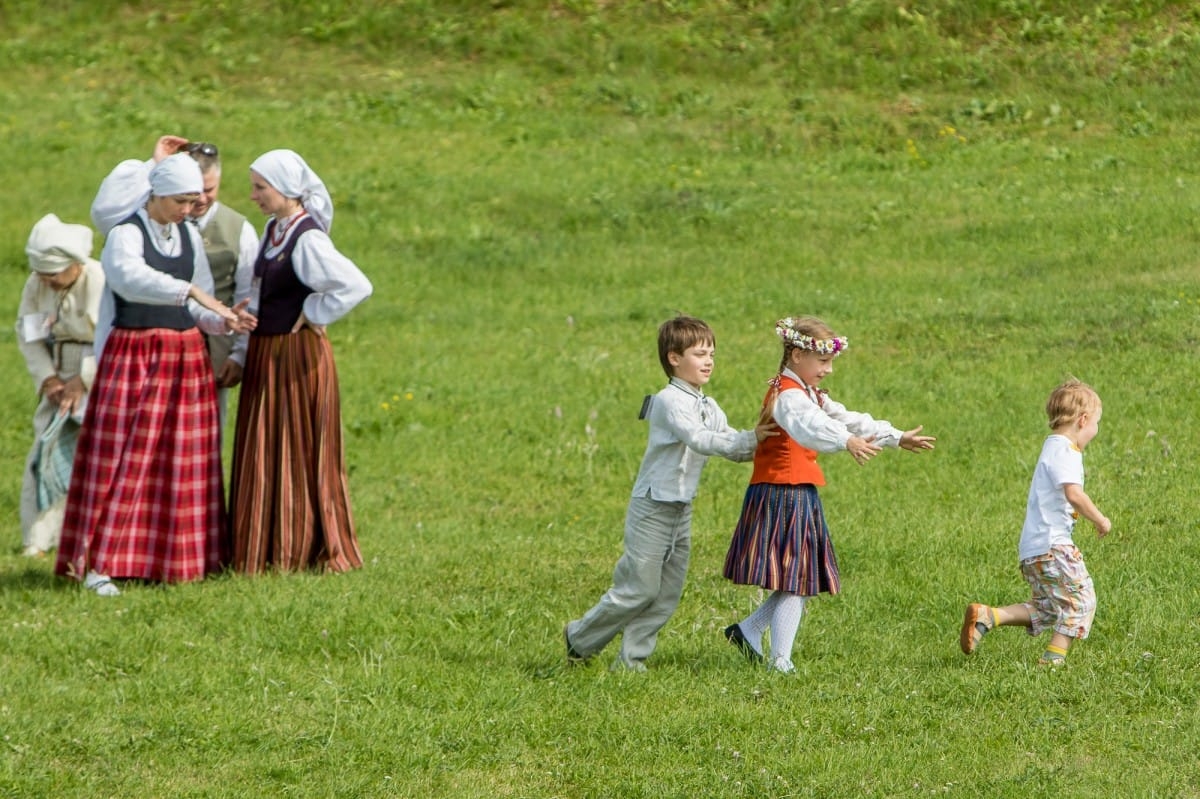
(1064, 598)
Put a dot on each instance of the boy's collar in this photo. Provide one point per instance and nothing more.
(679, 382)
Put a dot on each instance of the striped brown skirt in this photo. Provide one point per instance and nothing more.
(145, 498)
(289, 499)
(781, 542)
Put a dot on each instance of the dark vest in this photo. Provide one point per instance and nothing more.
(281, 294)
(141, 315)
(221, 237)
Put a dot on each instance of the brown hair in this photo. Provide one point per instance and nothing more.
(678, 334)
(1069, 401)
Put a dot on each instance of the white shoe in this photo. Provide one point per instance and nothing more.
(101, 584)
(32, 551)
(782, 665)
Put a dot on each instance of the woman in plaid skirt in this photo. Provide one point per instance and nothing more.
(145, 500)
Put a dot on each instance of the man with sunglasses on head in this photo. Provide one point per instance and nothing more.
(229, 241)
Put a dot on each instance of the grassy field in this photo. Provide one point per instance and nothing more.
(985, 197)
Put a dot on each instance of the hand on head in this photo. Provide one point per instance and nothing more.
(168, 145)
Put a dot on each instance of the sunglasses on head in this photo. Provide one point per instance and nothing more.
(201, 147)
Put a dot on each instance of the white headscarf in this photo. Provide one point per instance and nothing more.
(54, 245)
(176, 174)
(287, 173)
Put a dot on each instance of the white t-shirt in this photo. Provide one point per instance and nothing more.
(1049, 517)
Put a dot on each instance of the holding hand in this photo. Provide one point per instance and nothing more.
(242, 322)
(913, 442)
(765, 431)
(863, 449)
(237, 319)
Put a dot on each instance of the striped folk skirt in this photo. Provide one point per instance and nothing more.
(781, 542)
(288, 492)
(145, 499)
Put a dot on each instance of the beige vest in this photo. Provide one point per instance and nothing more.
(221, 236)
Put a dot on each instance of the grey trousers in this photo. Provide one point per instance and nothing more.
(647, 582)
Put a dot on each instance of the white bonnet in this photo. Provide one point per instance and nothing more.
(176, 174)
(54, 245)
(288, 174)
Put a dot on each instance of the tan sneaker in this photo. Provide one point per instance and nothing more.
(977, 621)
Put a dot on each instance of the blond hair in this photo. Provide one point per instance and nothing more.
(810, 326)
(1069, 401)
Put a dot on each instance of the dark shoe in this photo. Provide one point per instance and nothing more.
(733, 634)
(976, 622)
(573, 657)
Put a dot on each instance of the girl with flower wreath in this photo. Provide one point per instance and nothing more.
(781, 542)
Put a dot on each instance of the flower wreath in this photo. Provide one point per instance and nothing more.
(784, 328)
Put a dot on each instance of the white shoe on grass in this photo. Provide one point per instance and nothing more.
(101, 584)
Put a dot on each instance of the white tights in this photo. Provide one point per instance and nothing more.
(781, 613)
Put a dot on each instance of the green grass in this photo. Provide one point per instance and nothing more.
(984, 197)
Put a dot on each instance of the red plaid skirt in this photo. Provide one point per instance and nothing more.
(146, 499)
(289, 495)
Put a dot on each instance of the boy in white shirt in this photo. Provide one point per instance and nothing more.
(685, 428)
(1064, 598)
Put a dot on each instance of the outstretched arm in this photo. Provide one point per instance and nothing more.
(1083, 504)
(914, 442)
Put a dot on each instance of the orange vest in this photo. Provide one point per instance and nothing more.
(779, 459)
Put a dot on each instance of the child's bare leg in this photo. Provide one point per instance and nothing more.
(1012, 616)
(980, 619)
(1056, 650)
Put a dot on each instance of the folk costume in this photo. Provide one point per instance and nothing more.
(230, 244)
(146, 497)
(55, 330)
(781, 542)
(288, 491)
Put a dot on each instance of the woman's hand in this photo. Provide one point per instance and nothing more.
(243, 321)
(237, 319)
(72, 393)
(52, 389)
(304, 322)
(167, 146)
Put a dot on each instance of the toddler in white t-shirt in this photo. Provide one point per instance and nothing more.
(1064, 598)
